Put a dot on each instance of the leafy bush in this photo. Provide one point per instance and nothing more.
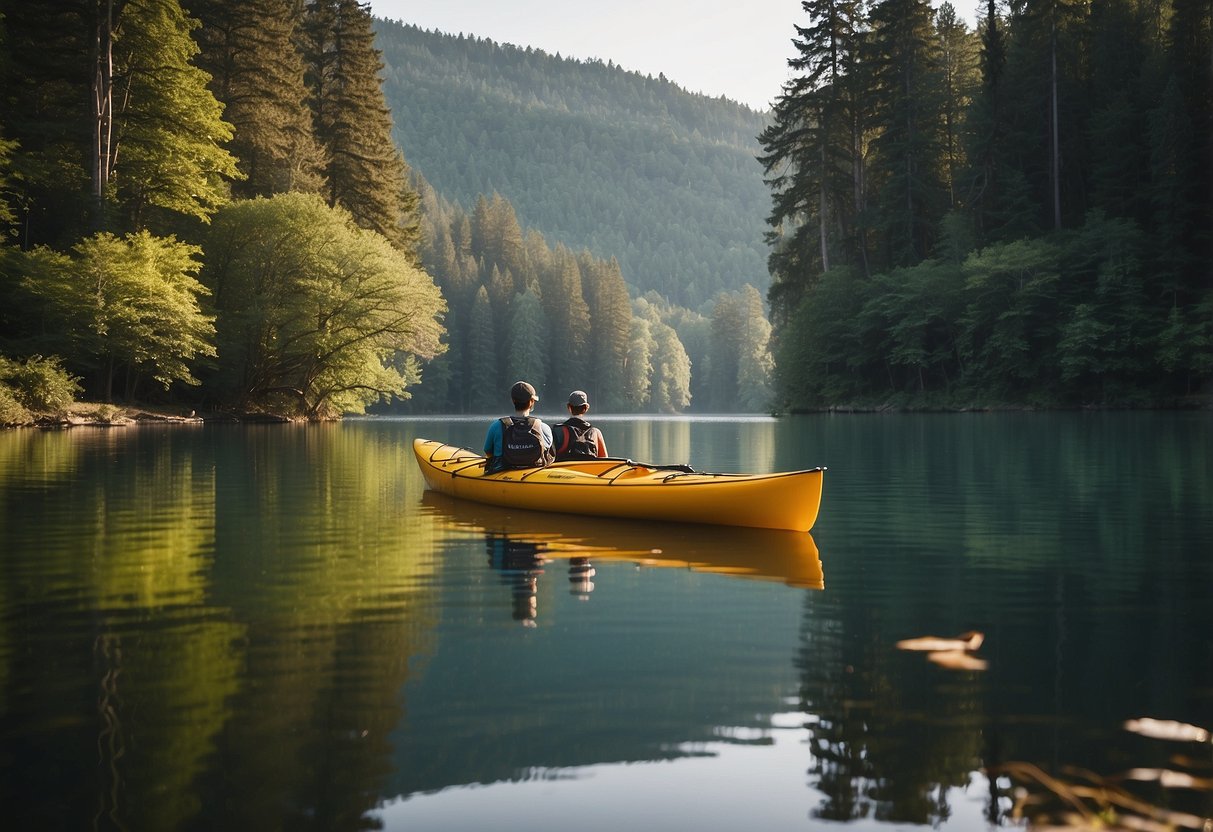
(39, 384)
(12, 412)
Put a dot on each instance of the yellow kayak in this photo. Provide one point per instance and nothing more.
(621, 488)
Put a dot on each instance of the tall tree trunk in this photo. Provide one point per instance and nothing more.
(1055, 150)
(103, 100)
(821, 211)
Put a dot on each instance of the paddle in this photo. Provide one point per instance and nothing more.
(686, 469)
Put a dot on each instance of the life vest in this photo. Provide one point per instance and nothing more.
(575, 439)
(522, 443)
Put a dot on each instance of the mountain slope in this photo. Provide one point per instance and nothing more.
(592, 156)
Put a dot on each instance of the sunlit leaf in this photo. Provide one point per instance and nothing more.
(957, 660)
(971, 640)
(1165, 729)
(1169, 779)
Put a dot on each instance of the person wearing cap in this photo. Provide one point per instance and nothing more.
(575, 438)
(521, 440)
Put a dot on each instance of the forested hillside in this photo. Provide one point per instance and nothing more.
(591, 156)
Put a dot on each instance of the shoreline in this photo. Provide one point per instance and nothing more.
(94, 414)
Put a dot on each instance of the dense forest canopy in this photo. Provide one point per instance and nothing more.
(205, 202)
(1023, 214)
(208, 200)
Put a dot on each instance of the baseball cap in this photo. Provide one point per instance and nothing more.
(578, 397)
(523, 392)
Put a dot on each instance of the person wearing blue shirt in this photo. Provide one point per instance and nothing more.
(520, 441)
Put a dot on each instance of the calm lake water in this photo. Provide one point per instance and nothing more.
(277, 627)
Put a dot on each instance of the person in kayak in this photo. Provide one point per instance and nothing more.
(575, 438)
(521, 440)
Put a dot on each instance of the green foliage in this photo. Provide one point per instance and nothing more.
(823, 360)
(527, 338)
(36, 384)
(365, 171)
(314, 312)
(671, 382)
(1088, 121)
(484, 388)
(169, 125)
(256, 72)
(7, 215)
(638, 380)
(124, 303)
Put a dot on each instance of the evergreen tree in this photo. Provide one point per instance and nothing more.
(1046, 105)
(959, 70)
(754, 360)
(995, 187)
(812, 150)
(365, 171)
(167, 125)
(728, 328)
(639, 376)
(907, 150)
(248, 48)
(610, 328)
(496, 236)
(484, 386)
(527, 340)
(1190, 42)
(568, 321)
(670, 391)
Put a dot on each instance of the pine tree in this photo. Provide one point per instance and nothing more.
(496, 236)
(907, 151)
(812, 152)
(527, 340)
(168, 129)
(958, 64)
(568, 321)
(484, 388)
(639, 376)
(610, 327)
(671, 381)
(248, 48)
(1046, 106)
(754, 362)
(728, 327)
(365, 172)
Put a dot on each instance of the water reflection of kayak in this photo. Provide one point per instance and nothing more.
(772, 554)
(622, 488)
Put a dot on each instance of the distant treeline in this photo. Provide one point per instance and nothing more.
(204, 197)
(563, 320)
(1023, 214)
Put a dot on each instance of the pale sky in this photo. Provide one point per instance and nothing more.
(735, 48)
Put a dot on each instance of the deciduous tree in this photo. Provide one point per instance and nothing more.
(315, 315)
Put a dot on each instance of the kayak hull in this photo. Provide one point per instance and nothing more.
(619, 488)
